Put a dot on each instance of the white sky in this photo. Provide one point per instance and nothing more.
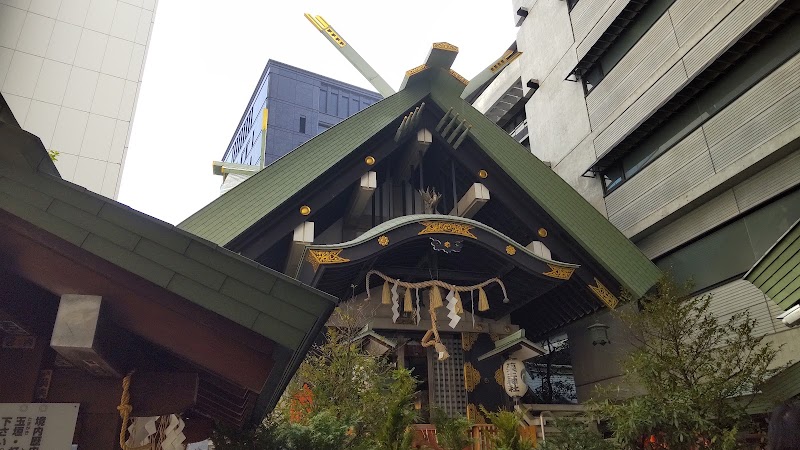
(205, 58)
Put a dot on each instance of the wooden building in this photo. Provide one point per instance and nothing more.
(416, 199)
(91, 291)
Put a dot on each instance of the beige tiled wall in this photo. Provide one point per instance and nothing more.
(70, 71)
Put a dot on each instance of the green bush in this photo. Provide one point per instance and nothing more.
(574, 435)
(452, 433)
(507, 436)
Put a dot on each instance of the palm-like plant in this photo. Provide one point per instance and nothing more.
(452, 433)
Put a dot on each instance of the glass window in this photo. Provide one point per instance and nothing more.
(302, 124)
(612, 178)
(738, 79)
(732, 250)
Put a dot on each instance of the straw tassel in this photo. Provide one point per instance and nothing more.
(459, 306)
(483, 301)
(407, 305)
(435, 297)
(386, 297)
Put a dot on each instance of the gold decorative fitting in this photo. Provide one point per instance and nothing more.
(604, 294)
(447, 244)
(508, 56)
(305, 210)
(474, 415)
(370, 160)
(383, 240)
(459, 229)
(472, 378)
(445, 46)
(416, 70)
(468, 340)
(318, 257)
(483, 174)
(499, 377)
(494, 337)
(542, 232)
(511, 250)
(560, 272)
(458, 77)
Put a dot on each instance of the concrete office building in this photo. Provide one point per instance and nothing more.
(70, 70)
(679, 120)
(288, 107)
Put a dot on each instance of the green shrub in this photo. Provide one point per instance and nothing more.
(452, 433)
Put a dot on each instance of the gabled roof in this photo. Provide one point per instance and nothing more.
(255, 298)
(236, 211)
(777, 273)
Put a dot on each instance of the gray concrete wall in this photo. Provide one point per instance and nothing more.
(750, 149)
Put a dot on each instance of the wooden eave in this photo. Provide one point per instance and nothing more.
(246, 326)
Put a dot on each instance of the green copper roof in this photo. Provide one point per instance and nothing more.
(777, 273)
(607, 245)
(253, 296)
(236, 211)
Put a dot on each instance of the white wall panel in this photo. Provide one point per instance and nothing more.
(689, 176)
(729, 30)
(651, 176)
(757, 131)
(643, 108)
(600, 25)
(775, 179)
(739, 296)
(585, 15)
(709, 215)
(63, 59)
(769, 108)
(767, 92)
(688, 16)
(635, 68)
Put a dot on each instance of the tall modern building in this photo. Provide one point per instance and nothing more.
(70, 70)
(679, 120)
(288, 107)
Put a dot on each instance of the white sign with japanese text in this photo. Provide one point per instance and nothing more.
(37, 426)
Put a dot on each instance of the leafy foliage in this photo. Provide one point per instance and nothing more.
(394, 433)
(452, 433)
(53, 155)
(340, 398)
(508, 436)
(322, 432)
(263, 437)
(574, 435)
(690, 366)
(357, 388)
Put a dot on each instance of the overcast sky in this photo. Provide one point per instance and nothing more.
(205, 58)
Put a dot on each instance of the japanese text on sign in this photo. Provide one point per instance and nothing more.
(37, 426)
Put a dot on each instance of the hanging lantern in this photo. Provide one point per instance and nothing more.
(599, 333)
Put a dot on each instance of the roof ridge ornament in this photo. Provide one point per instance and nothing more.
(442, 55)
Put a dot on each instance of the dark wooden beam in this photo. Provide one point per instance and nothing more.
(152, 394)
(185, 329)
(277, 224)
(20, 371)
